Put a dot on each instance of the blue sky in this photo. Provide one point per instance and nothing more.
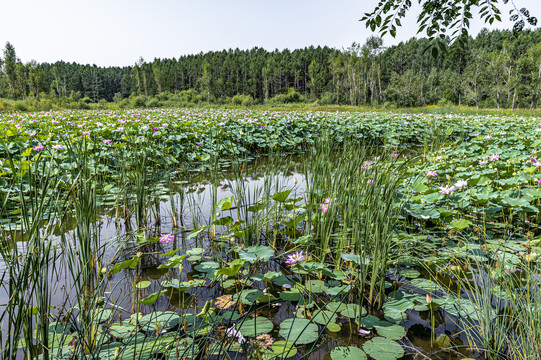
(117, 32)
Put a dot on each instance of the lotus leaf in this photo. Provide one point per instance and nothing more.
(255, 326)
(381, 348)
(299, 331)
(347, 353)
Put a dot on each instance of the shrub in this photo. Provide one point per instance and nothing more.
(292, 96)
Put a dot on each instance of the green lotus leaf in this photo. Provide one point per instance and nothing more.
(291, 295)
(353, 311)
(284, 349)
(334, 327)
(207, 266)
(143, 284)
(162, 320)
(299, 331)
(255, 326)
(381, 348)
(123, 331)
(410, 273)
(316, 286)
(152, 298)
(256, 253)
(393, 332)
(247, 297)
(347, 353)
(323, 317)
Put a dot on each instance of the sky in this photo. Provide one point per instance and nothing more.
(118, 32)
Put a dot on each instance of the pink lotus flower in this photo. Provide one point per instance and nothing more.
(475, 135)
(494, 157)
(539, 182)
(57, 147)
(460, 184)
(166, 238)
(38, 148)
(483, 162)
(86, 133)
(446, 189)
(294, 258)
(431, 173)
(324, 207)
(370, 181)
(488, 137)
(363, 332)
(396, 155)
(108, 141)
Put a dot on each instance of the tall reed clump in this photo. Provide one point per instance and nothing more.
(352, 189)
(28, 254)
(82, 249)
(503, 300)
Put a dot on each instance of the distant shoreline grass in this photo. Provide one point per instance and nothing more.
(32, 105)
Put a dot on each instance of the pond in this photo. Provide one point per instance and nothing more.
(254, 292)
(384, 236)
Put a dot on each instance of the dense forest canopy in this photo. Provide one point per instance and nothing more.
(495, 69)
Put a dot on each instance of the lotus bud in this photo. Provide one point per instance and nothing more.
(428, 299)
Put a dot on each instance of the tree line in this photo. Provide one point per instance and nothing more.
(497, 69)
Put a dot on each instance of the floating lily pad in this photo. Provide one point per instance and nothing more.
(324, 317)
(316, 286)
(282, 280)
(292, 295)
(231, 315)
(401, 305)
(207, 266)
(347, 353)
(284, 349)
(162, 320)
(335, 306)
(426, 285)
(410, 273)
(247, 297)
(393, 332)
(338, 290)
(353, 311)
(123, 331)
(395, 317)
(255, 253)
(334, 327)
(381, 348)
(255, 326)
(182, 286)
(369, 321)
(195, 251)
(299, 331)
